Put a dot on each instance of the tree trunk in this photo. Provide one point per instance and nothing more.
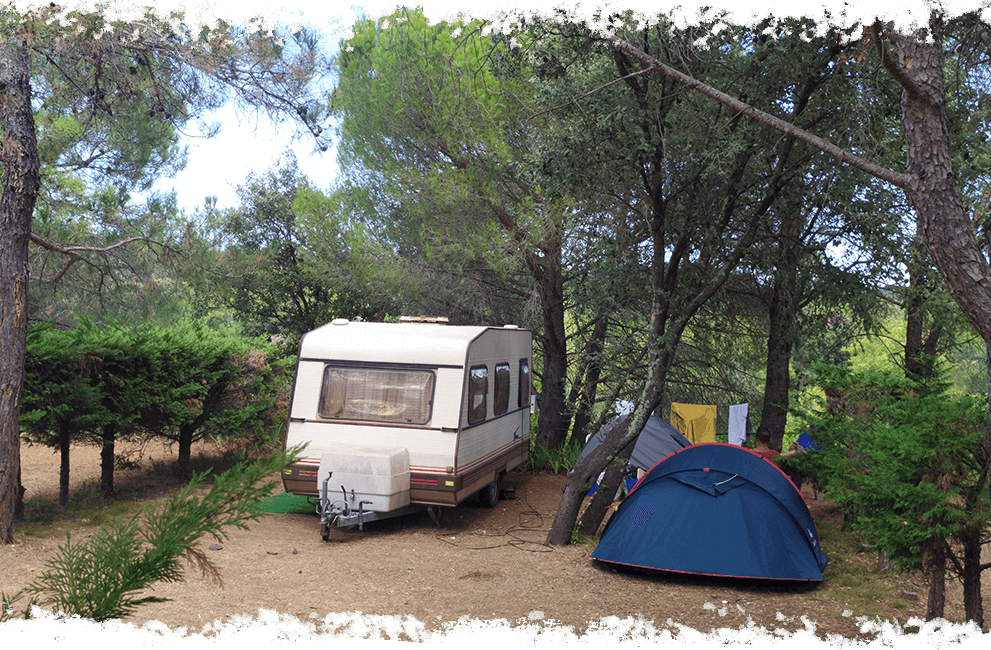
(21, 178)
(777, 383)
(590, 385)
(947, 226)
(552, 418)
(107, 460)
(184, 467)
(583, 475)
(63, 477)
(935, 563)
(920, 349)
(972, 600)
(610, 483)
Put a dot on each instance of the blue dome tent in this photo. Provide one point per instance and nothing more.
(715, 509)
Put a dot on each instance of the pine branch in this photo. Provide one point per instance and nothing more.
(902, 180)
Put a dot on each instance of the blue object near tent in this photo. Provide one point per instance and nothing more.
(805, 440)
(629, 482)
(715, 509)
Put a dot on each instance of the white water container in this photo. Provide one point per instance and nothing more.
(380, 476)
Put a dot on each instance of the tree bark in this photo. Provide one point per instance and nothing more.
(920, 346)
(108, 441)
(947, 227)
(553, 419)
(63, 479)
(591, 373)
(777, 382)
(21, 179)
(583, 475)
(935, 563)
(610, 483)
(973, 605)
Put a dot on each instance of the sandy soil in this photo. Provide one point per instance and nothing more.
(481, 563)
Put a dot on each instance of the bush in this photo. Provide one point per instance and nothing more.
(104, 577)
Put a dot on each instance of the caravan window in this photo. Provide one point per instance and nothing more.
(501, 403)
(478, 393)
(377, 394)
(523, 395)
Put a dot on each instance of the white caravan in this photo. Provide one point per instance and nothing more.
(397, 416)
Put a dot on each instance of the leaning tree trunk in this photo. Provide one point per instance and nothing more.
(947, 226)
(605, 495)
(21, 179)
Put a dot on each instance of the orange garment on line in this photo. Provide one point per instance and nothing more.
(695, 421)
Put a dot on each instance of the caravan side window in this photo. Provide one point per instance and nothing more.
(523, 395)
(389, 395)
(478, 393)
(501, 403)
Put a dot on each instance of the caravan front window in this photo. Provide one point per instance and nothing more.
(377, 394)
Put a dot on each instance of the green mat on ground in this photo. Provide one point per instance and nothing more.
(288, 504)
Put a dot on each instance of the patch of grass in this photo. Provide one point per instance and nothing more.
(577, 539)
(557, 460)
(851, 576)
(42, 516)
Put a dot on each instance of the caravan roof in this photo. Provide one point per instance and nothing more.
(430, 343)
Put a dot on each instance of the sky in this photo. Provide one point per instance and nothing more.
(246, 143)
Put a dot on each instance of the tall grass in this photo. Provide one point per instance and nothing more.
(555, 460)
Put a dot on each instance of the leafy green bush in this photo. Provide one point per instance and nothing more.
(909, 465)
(183, 383)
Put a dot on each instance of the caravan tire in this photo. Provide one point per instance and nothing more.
(489, 495)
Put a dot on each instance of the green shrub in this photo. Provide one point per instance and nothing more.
(104, 577)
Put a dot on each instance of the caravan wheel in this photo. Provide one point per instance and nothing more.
(489, 495)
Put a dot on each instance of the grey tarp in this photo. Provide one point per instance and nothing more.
(657, 440)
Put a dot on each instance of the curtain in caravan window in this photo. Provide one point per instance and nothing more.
(377, 395)
(501, 403)
(478, 393)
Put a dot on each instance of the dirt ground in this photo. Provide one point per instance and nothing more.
(481, 563)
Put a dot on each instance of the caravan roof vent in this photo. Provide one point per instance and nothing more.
(510, 326)
(439, 320)
(340, 321)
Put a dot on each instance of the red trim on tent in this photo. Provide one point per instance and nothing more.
(698, 573)
(724, 444)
